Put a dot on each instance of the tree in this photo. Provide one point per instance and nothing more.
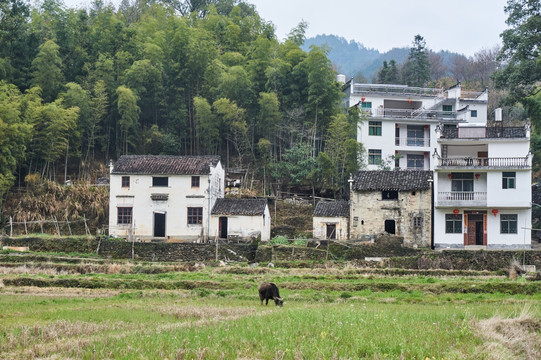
(520, 50)
(47, 68)
(297, 34)
(16, 132)
(129, 117)
(416, 70)
(207, 127)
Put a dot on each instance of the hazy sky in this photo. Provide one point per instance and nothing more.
(463, 26)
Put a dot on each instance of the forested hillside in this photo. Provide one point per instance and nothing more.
(82, 86)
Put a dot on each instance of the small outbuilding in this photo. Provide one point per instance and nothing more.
(241, 219)
(331, 220)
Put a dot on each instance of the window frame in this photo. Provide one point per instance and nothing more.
(509, 220)
(195, 215)
(456, 221)
(125, 182)
(415, 135)
(462, 178)
(373, 127)
(374, 156)
(509, 181)
(196, 181)
(124, 215)
(417, 221)
(473, 113)
(415, 158)
(157, 181)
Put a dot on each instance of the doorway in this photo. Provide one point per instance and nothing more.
(390, 227)
(223, 227)
(331, 231)
(475, 225)
(159, 224)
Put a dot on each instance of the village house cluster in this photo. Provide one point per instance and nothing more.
(436, 174)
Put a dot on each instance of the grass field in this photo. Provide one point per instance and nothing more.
(95, 310)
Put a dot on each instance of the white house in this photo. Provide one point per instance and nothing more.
(240, 218)
(164, 197)
(399, 121)
(482, 187)
(331, 220)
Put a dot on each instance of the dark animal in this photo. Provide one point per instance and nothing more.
(270, 291)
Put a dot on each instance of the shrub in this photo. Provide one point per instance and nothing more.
(279, 240)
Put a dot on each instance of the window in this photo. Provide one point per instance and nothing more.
(374, 157)
(508, 224)
(160, 181)
(389, 195)
(473, 113)
(447, 108)
(416, 135)
(416, 162)
(417, 221)
(195, 215)
(462, 182)
(453, 223)
(509, 180)
(195, 181)
(374, 128)
(124, 215)
(366, 105)
(125, 181)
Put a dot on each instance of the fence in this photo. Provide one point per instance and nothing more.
(53, 225)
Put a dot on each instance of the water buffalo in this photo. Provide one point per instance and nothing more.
(269, 291)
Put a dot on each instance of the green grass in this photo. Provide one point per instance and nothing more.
(214, 313)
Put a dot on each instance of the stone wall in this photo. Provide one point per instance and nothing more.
(119, 249)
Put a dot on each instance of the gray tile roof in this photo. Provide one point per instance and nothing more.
(332, 209)
(164, 165)
(396, 180)
(248, 207)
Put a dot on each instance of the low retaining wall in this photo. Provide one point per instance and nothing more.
(393, 254)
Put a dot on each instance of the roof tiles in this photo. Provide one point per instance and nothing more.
(246, 207)
(397, 180)
(165, 165)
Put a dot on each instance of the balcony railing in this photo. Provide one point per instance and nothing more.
(484, 132)
(395, 90)
(409, 141)
(482, 162)
(414, 114)
(444, 196)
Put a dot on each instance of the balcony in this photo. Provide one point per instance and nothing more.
(484, 163)
(459, 198)
(410, 141)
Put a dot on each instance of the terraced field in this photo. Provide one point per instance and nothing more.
(55, 306)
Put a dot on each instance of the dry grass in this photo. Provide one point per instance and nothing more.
(193, 312)
(55, 291)
(512, 338)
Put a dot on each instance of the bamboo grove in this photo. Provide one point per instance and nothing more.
(79, 87)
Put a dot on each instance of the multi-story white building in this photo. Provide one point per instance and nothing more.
(399, 122)
(164, 197)
(482, 187)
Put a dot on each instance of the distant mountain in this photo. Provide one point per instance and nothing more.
(351, 57)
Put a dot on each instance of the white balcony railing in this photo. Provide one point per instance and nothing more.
(409, 141)
(461, 198)
(414, 114)
(478, 162)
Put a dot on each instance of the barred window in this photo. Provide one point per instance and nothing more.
(195, 181)
(453, 223)
(417, 221)
(195, 215)
(508, 224)
(124, 215)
